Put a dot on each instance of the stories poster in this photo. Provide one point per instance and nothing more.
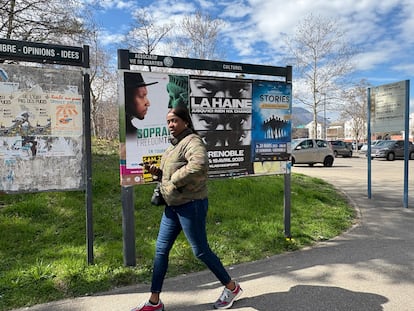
(271, 134)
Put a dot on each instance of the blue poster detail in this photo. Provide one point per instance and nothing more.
(271, 121)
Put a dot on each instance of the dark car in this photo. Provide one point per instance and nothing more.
(340, 148)
(391, 150)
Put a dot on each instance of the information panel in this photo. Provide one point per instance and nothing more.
(388, 107)
(41, 127)
(245, 124)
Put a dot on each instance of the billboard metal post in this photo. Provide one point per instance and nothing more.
(287, 179)
(88, 151)
(128, 226)
(127, 196)
(406, 141)
(369, 143)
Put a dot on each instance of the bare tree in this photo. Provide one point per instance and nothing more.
(65, 22)
(42, 21)
(355, 109)
(104, 116)
(146, 33)
(321, 59)
(198, 37)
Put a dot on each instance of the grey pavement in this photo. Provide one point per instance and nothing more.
(370, 267)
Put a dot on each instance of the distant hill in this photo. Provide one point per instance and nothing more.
(301, 117)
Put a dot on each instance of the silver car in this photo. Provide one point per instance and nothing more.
(311, 151)
(391, 150)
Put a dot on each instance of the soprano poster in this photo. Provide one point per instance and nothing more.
(145, 99)
(41, 127)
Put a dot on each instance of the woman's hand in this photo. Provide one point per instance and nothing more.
(152, 169)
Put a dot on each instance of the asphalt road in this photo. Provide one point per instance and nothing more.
(368, 268)
(351, 175)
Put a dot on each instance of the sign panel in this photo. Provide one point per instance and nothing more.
(30, 51)
(41, 127)
(142, 59)
(222, 113)
(388, 107)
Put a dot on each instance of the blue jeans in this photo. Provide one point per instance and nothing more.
(191, 218)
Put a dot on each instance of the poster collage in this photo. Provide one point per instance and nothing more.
(245, 124)
(41, 129)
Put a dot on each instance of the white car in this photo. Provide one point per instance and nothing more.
(364, 147)
(311, 151)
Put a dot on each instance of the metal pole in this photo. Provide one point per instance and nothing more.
(287, 178)
(324, 116)
(406, 141)
(128, 225)
(127, 194)
(286, 214)
(369, 141)
(88, 156)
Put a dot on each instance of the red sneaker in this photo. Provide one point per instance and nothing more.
(148, 306)
(228, 297)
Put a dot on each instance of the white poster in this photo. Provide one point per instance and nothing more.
(41, 129)
(388, 103)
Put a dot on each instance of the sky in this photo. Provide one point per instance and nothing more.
(254, 29)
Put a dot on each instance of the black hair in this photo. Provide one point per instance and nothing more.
(183, 113)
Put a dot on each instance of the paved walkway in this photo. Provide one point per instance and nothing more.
(368, 268)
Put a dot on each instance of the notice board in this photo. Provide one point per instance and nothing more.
(41, 129)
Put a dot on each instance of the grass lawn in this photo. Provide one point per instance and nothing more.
(43, 235)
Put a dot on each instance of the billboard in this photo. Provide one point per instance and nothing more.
(388, 107)
(41, 129)
(245, 124)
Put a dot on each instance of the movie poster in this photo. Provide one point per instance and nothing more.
(145, 99)
(41, 129)
(221, 111)
(271, 134)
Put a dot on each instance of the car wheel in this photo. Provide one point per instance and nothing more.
(391, 156)
(328, 162)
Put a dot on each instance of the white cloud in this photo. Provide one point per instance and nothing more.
(111, 38)
(254, 29)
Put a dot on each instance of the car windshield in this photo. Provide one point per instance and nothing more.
(385, 143)
(295, 142)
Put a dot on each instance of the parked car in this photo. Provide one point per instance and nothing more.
(357, 146)
(349, 145)
(340, 148)
(364, 147)
(311, 151)
(391, 149)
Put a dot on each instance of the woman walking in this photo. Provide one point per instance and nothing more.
(183, 175)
